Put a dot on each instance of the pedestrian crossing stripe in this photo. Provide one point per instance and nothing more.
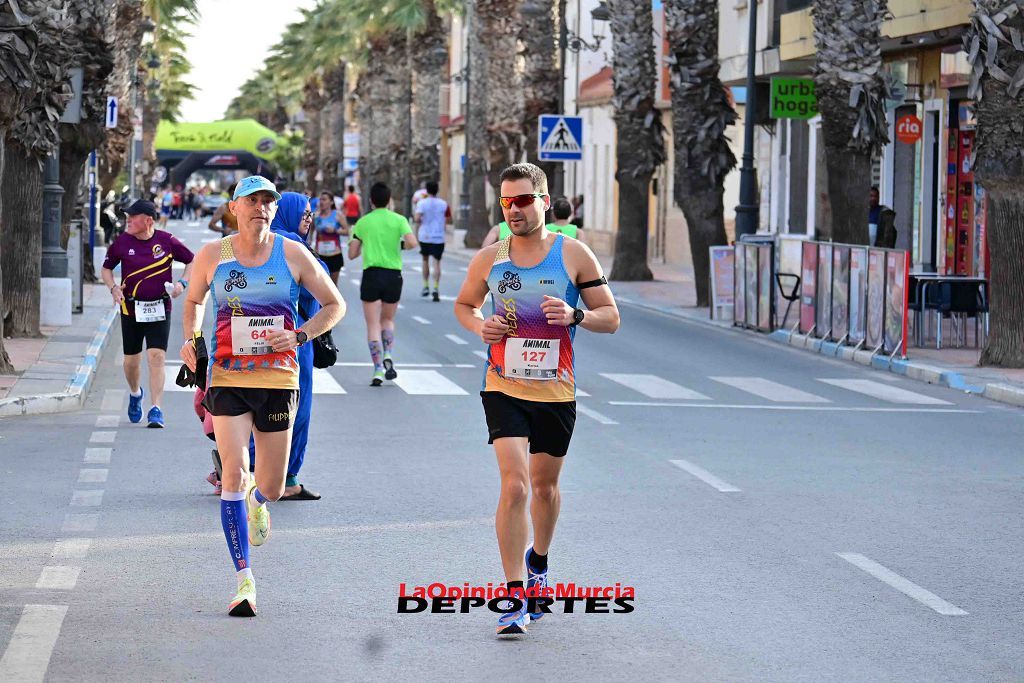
(561, 138)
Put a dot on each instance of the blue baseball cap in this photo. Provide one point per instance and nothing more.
(255, 183)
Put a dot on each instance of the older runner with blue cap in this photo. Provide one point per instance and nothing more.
(255, 277)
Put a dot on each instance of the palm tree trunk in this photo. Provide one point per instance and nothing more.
(400, 115)
(700, 115)
(1005, 347)
(640, 146)
(476, 135)
(311, 104)
(22, 237)
(6, 367)
(429, 55)
(851, 93)
(541, 88)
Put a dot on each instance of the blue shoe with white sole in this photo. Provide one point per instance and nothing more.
(535, 580)
(155, 418)
(135, 407)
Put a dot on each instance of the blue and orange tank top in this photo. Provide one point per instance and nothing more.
(534, 361)
(248, 303)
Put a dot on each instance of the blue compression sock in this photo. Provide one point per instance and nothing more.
(236, 528)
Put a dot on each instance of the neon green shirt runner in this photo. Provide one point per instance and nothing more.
(381, 233)
(568, 230)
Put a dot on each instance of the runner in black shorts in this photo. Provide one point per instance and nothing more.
(535, 279)
(380, 237)
(146, 257)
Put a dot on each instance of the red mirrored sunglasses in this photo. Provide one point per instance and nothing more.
(520, 200)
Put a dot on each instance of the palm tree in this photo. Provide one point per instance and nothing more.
(851, 94)
(128, 31)
(701, 112)
(640, 146)
(541, 67)
(33, 136)
(476, 133)
(17, 34)
(997, 78)
(312, 103)
(92, 20)
(428, 51)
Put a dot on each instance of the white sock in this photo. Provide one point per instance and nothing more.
(136, 394)
(243, 575)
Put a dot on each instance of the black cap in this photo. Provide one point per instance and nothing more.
(143, 207)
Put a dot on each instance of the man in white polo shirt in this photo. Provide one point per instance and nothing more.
(432, 216)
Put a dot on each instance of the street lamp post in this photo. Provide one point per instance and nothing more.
(147, 26)
(748, 211)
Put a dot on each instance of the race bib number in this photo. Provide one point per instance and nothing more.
(150, 311)
(328, 247)
(535, 359)
(249, 334)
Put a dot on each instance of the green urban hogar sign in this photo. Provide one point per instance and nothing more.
(793, 98)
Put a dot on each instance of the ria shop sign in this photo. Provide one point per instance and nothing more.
(793, 98)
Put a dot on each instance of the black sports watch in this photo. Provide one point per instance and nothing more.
(577, 317)
(301, 338)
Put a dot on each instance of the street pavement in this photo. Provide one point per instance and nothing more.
(782, 516)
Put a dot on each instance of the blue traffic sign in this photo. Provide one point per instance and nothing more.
(111, 112)
(560, 138)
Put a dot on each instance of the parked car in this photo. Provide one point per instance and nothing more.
(211, 203)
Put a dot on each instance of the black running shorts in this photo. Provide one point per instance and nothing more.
(381, 284)
(334, 263)
(548, 425)
(431, 249)
(273, 410)
(155, 334)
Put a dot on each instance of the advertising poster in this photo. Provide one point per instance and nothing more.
(840, 292)
(808, 280)
(750, 264)
(824, 308)
(895, 300)
(858, 283)
(764, 288)
(876, 298)
(739, 310)
(722, 274)
(790, 251)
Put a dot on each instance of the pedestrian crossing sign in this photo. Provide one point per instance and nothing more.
(560, 138)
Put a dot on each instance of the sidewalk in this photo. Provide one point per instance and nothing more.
(55, 371)
(672, 293)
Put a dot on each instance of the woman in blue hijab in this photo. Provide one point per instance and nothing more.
(293, 221)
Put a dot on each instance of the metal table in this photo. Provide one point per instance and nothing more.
(926, 280)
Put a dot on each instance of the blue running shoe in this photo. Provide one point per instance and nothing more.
(135, 407)
(155, 418)
(537, 581)
(513, 623)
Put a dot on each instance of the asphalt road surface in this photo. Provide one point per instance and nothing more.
(781, 517)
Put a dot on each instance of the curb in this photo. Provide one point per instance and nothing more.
(77, 389)
(922, 372)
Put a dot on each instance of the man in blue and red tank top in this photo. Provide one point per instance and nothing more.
(535, 279)
(254, 278)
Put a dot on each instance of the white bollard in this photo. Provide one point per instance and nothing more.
(55, 301)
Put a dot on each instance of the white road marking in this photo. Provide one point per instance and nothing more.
(28, 653)
(905, 586)
(92, 476)
(102, 437)
(836, 409)
(86, 499)
(773, 391)
(113, 399)
(107, 421)
(324, 383)
(58, 578)
(704, 476)
(654, 387)
(354, 280)
(421, 321)
(455, 339)
(76, 548)
(74, 523)
(97, 456)
(885, 392)
(482, 354)
(580, 392)
(207, 240)
(427, 382)
(353, 364)
(594, 415)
